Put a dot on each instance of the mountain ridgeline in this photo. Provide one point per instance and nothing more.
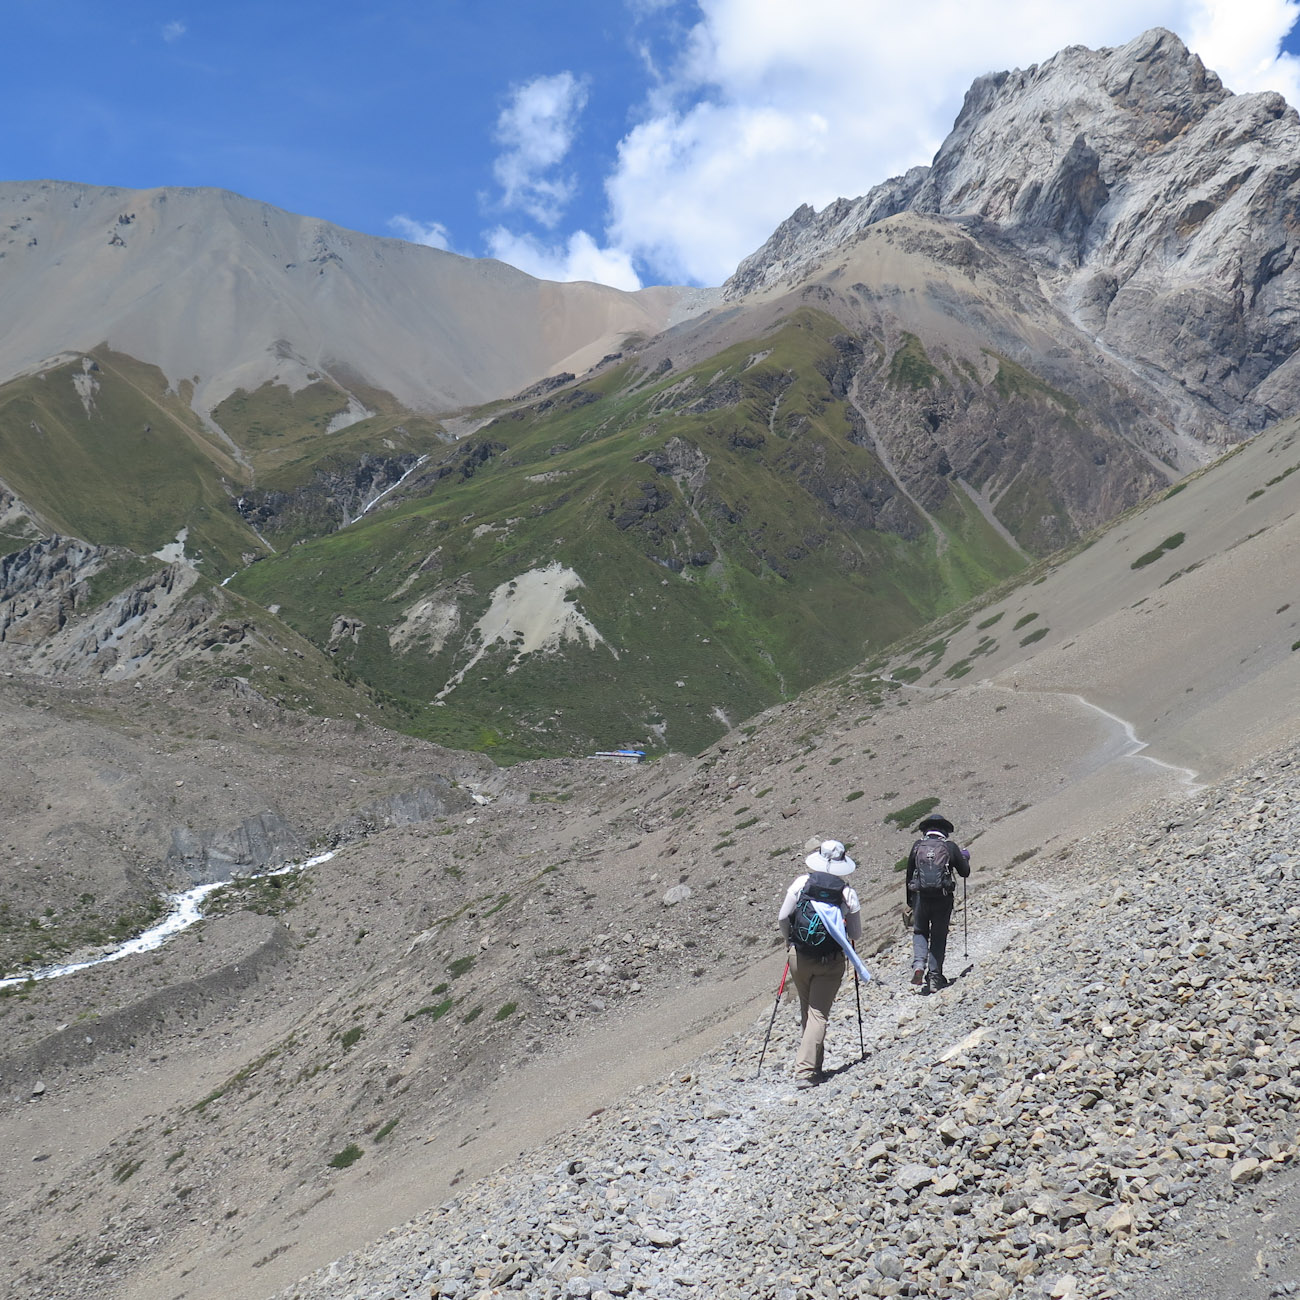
(679, 507)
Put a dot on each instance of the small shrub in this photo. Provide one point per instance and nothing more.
(471, 1016)
(126, 1169)
(1258, 492)
(747, 823)
(351, 1037)
(436, 1011)
(506, 1011)
(988, 622)
(852, 795)
(384, 1130)
(1175, 490)
(1035, 636)
(348, 1156)
(1023, 622)
(460, 966)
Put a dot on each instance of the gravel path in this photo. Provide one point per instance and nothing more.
(1106, 1102)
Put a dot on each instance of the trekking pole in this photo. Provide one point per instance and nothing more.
(770, 1023)
(965, 921)
(857, 993)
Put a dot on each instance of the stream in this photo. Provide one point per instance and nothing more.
(186, 909)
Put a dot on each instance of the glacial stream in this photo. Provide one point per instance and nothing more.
(186, 909)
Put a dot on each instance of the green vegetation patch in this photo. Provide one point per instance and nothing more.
(435, 1011)
(348, 1156)
(904, 818)
(127, 1169)
(1169, 544)
(911, 367)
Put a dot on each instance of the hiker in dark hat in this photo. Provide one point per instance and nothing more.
(933, 865)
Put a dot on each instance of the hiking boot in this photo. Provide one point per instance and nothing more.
(806, 1081)
(938, 980)
(918, 977)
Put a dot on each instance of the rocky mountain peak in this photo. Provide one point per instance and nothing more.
(1152, 203)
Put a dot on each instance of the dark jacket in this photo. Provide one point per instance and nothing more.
(956, 860)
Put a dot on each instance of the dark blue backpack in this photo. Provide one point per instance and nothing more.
(808, 931)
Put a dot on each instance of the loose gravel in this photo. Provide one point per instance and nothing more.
(1105, 1104)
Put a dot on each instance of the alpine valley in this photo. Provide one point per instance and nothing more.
(976, 489)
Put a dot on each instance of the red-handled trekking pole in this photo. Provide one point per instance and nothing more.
(771, 1022)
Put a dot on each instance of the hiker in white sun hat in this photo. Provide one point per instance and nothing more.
(816, 958)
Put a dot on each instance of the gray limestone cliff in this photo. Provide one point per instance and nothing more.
(1157, 208)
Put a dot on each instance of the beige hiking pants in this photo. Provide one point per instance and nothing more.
(817, 983)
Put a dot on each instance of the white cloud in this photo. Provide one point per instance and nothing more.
(536, 129)
(1240, 42)
(579, 258)
(773, 104)
(173, 31)
(433, 234)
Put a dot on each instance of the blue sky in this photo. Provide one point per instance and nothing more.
(630, 141)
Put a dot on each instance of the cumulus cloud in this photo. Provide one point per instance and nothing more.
(173, 31)
(433, 234)
(577, 258)
(536, 131)
(771, 104)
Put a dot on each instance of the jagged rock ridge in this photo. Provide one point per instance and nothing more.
(1157, 207)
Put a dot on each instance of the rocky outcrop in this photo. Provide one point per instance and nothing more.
(267, 840)
(333, 498)
(439, 798)
(41, 587)
(16, 520)
(264, 840)
(1156, 207)
(53, 622)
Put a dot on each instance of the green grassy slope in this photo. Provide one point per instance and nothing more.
(105, 452)
(725, 526)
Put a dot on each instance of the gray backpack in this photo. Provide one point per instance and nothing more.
(932, 873)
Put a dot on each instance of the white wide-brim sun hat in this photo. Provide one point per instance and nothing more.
(831, 857)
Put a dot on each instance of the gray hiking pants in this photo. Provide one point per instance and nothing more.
(931, 914)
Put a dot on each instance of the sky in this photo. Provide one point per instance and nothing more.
(631, 142)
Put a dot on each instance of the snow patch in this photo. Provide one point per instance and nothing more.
(531, 614)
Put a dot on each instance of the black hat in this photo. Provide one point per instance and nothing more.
(935, 823)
